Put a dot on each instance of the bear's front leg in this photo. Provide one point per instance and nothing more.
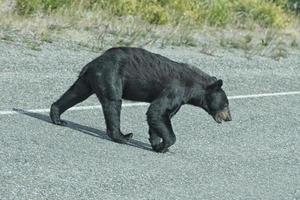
(154, 140)
(164, 129)
(158, 118)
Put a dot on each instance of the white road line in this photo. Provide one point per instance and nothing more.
(12, 112)
(263, 95)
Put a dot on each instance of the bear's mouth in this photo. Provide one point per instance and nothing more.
(222, 116)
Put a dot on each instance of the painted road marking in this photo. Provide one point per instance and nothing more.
(263, 95)
(16, 111)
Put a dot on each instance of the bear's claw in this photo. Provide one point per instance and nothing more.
(160, 148)
(55, 116)
(123, 139)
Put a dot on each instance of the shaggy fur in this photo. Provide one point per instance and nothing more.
(139, 75)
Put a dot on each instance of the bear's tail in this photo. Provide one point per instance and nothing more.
(84, 69)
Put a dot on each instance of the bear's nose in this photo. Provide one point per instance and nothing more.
(228, 118)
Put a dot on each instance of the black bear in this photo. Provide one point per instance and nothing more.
(139, 75)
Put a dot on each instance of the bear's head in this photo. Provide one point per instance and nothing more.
(217, 104)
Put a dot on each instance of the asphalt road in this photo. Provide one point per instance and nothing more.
(256, 156)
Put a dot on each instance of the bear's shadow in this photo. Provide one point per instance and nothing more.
(84, 129)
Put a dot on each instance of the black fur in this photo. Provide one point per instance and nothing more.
(139, 75)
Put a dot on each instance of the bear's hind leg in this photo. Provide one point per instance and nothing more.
(108, 87)
(77, 93)
(112, 111)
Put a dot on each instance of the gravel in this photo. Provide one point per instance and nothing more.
(256, 156)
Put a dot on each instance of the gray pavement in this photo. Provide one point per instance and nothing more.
(256, 156)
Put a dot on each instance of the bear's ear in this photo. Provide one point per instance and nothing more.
(214, 79)
(216, 85)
